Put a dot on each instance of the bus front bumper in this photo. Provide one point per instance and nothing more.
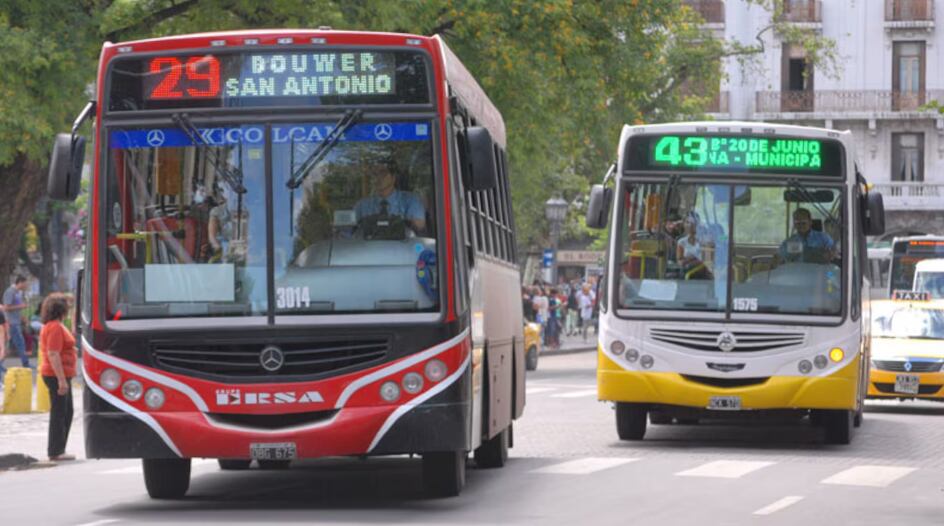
(836, 391)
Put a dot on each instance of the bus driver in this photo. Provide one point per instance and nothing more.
(385, 200)
(806, 245)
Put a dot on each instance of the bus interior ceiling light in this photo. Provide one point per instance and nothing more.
(617, 347)
(412, 382)
(318, 40)
(132, 390)
(154, 398)
(435, 370)
(286, 40)
(390, 391)
(110, 379)
(836, 354)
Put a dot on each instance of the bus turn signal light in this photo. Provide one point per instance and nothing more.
(836, 354)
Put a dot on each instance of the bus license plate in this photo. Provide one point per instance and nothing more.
(907, 383)
(725, 403)
(275, 451)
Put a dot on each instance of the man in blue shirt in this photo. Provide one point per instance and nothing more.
(386, 200)
(807, 245)
(14, 302)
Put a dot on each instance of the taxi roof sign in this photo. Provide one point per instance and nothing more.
(911, 295)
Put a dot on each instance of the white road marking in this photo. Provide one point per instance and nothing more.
(871, 476)
(98, 523)
(536, 390)
(195, 464)
(726, 469)
(576, 394)
(779, 505)
(584, 466)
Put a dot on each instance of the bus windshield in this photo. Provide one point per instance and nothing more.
(352, 228)
(676, 248)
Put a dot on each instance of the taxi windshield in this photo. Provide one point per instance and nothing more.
(907, 321)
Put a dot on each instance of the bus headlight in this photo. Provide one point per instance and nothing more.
(110, 379)
(435, 370)
(632, 355)
(412, 383)
(154, 398)
(132, 390)
(819, 361)
(646, 361)
(805, 366)
(617, 347)
(836, 354)
(390, 391)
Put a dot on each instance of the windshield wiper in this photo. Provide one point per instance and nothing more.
(806, 194)
(344, 124)
(232, 177)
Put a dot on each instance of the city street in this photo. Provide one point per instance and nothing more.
(567, 467)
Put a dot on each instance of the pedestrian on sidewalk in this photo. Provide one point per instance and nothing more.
(59, 358)
(585, 299)
(14, 303)
(573, 306)
(3, 343)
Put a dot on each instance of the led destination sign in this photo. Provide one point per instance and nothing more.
(727, 153)
(268, 78)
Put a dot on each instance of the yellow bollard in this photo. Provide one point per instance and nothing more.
(42, 392)
(17, 390)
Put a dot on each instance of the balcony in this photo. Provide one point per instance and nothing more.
(802, 12)
(844, 102)
(909, 14)
(911, 196)
(711, 10)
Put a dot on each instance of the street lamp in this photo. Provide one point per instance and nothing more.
(555, 210)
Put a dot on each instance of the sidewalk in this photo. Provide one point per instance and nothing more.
(27, 433)
(573, 344)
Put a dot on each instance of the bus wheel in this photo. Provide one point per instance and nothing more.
(444, 473)
(838, 426)
(493, 453)
(630, 421)
(234, 464)
(166, 478)
(531, 359)
(659, 418)
(274, 464)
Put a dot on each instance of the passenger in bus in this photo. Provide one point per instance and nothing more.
(386, 200)
(220, 226)
(806, 245)
(688, 249)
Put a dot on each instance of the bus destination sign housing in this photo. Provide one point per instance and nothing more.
(266, 78)
(734, 154)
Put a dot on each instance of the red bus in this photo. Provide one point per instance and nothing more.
(301, 245)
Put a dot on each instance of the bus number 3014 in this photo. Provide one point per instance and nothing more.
(292, 297)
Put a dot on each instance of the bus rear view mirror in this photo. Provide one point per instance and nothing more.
(874, 214)
(599, 207)
(65, 167)
(482, 160)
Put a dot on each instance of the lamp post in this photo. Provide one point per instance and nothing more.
(555, 210)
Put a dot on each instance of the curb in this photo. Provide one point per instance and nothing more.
(573, 350)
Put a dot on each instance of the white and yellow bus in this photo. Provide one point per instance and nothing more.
(735, 279)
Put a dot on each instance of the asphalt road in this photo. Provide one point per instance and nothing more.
(567, 467)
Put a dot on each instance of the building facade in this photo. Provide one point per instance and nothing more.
(890, 58)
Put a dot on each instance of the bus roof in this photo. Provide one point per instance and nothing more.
(268, 36)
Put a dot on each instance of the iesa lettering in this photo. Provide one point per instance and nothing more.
(311, 75)
(237, 397)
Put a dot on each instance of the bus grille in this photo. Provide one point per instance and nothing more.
(889, 388)
(898, 366)
(725, 382)
(243, 359)
(746, 341)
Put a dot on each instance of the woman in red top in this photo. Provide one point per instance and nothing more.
(59, 357)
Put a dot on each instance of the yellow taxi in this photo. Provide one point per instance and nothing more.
(532, 345)
(907, 349)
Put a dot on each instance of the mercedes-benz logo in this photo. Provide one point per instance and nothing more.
(155, 137)
(726, 342)
(271, 359)
(383, 132)
(908, 366)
